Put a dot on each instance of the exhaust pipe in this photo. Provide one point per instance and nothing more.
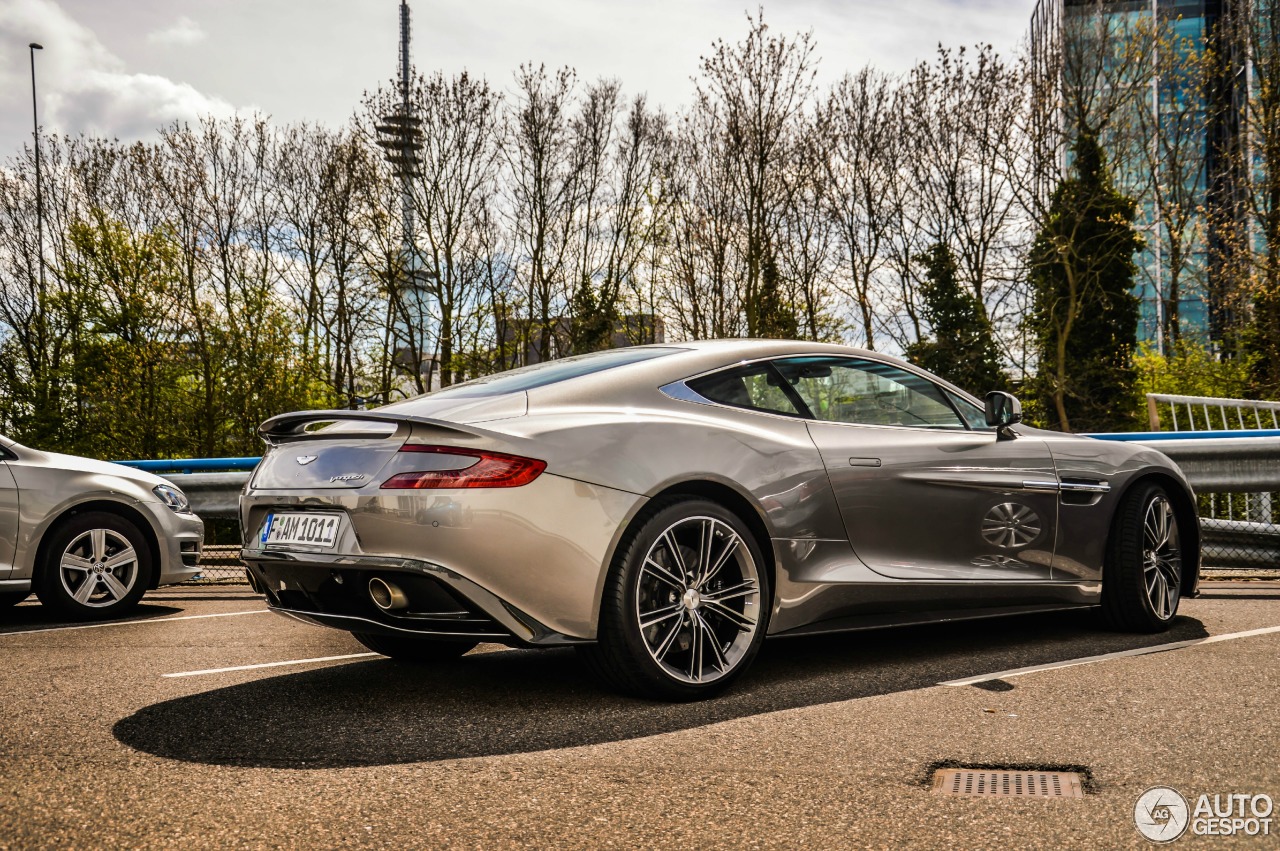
(386, 595)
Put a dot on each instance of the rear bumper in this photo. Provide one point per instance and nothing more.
(332, 590)
(541, 550)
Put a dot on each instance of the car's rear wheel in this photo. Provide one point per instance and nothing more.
(410, 648)
(13, 598)
(1142, 579)
(685, 605)
(97, 565)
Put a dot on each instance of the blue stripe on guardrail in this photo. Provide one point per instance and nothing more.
(195, 465)
(1186, 435)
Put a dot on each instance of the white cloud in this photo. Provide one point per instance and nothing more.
(184, 31)
(83, 86)
(129, 106)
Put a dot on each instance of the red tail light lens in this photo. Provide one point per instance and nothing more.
(489, 470)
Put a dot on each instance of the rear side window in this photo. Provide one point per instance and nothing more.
(755, 387)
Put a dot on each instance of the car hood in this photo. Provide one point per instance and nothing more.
(77, 464)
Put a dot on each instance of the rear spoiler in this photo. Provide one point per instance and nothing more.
(286, 428)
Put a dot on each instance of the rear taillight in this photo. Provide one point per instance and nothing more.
(488, 470)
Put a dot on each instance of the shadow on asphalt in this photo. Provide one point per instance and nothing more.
(379, 712)
(32, 615)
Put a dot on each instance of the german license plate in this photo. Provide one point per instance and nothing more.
(309, 528)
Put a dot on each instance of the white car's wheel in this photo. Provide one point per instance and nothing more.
(97, 565)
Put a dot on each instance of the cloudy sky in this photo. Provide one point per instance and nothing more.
(124, 67)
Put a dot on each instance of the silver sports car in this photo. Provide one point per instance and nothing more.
(664, 508)
(89, 537)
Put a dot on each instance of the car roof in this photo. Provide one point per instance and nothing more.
(631, 382)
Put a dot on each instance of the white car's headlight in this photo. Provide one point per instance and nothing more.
(173, 498)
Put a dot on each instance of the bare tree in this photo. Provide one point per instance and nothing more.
(543, 196)
(753, 96)
(860, 126)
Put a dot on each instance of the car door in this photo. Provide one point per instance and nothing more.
(924, 492)
(8, 516)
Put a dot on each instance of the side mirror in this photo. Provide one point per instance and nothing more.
(1003, 410)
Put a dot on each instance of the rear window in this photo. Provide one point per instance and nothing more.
(548, 372)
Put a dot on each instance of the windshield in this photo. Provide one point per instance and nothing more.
(548, 372)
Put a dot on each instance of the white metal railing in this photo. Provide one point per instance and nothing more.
(1205, 413)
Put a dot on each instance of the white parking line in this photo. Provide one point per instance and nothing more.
(133, 622)
(270, 665)
(1088, 660)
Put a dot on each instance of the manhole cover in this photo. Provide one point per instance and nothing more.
(997, 783)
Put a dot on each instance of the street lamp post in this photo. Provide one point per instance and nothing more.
(35, 130)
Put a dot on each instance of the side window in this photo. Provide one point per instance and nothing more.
(850, 390)
(754, 386)
(974, 417)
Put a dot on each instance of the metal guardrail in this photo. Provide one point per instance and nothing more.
(1241, 463)
(213, 485)
(1234, 475)
(215, 495)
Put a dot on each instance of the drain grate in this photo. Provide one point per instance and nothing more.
(997, 783)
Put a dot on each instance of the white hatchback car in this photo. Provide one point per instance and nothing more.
(89, 537)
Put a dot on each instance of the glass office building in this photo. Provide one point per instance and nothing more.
(1178, 127)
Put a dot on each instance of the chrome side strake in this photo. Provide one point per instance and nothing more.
(1075, 487)
(1086, 487)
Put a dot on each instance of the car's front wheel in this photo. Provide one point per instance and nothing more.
(1142, 578)
(685, 605)
(410, 648)
(97, 565)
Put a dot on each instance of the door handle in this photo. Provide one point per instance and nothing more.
(864, 462)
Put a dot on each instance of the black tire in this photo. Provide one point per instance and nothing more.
(115, 590)
(1142, 579)
(410, 648)
(13, 598)
(625, 657)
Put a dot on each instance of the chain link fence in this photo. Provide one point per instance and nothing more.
(220, 565)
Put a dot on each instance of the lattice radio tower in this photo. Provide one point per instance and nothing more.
(400, 137)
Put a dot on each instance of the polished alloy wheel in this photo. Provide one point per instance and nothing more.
(98, 568)
(1161, 557)
(698, 600)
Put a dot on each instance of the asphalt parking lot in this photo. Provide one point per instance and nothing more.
(132, 735)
